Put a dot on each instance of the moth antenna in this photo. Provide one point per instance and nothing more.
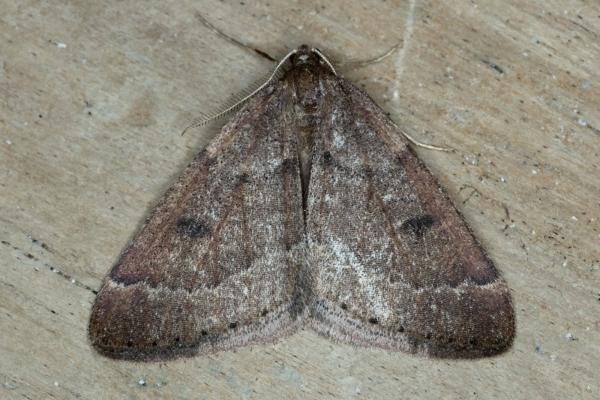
(318, 52)
(231, 39)
(377, 59)
(362, 63)
(423, 145)
(203, 120)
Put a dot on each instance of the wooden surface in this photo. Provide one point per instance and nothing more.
(93, 98)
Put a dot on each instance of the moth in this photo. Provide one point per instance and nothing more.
(308, 209)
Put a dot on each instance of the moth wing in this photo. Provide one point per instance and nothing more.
(215, 264)
(393, 262)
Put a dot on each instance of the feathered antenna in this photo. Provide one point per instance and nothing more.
(362, 63)
(240, 98)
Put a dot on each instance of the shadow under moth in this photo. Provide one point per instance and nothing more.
(308, 209)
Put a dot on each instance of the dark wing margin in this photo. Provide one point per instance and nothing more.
(394, 263)
(215, 265)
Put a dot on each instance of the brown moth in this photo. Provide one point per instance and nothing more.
(309, 209)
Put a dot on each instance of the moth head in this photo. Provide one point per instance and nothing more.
(307, 57)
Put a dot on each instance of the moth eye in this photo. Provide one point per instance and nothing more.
(400, 329)
(428, 336)
(373, 320)
(233, 325)
(344, 306)
(264, 312)
(203, 332)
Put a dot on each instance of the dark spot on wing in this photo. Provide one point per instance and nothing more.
(120, 274)
(483, 276)
(327, 158)
(373, 320)
(469, 272)
(288, 166)
(233, 325)
(344, 306)
(264, 312)
(192, 228)
(418, 225)
(244, 178)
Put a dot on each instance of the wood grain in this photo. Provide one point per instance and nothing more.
(93, 98)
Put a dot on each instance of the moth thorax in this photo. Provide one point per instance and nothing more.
(308, 90)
